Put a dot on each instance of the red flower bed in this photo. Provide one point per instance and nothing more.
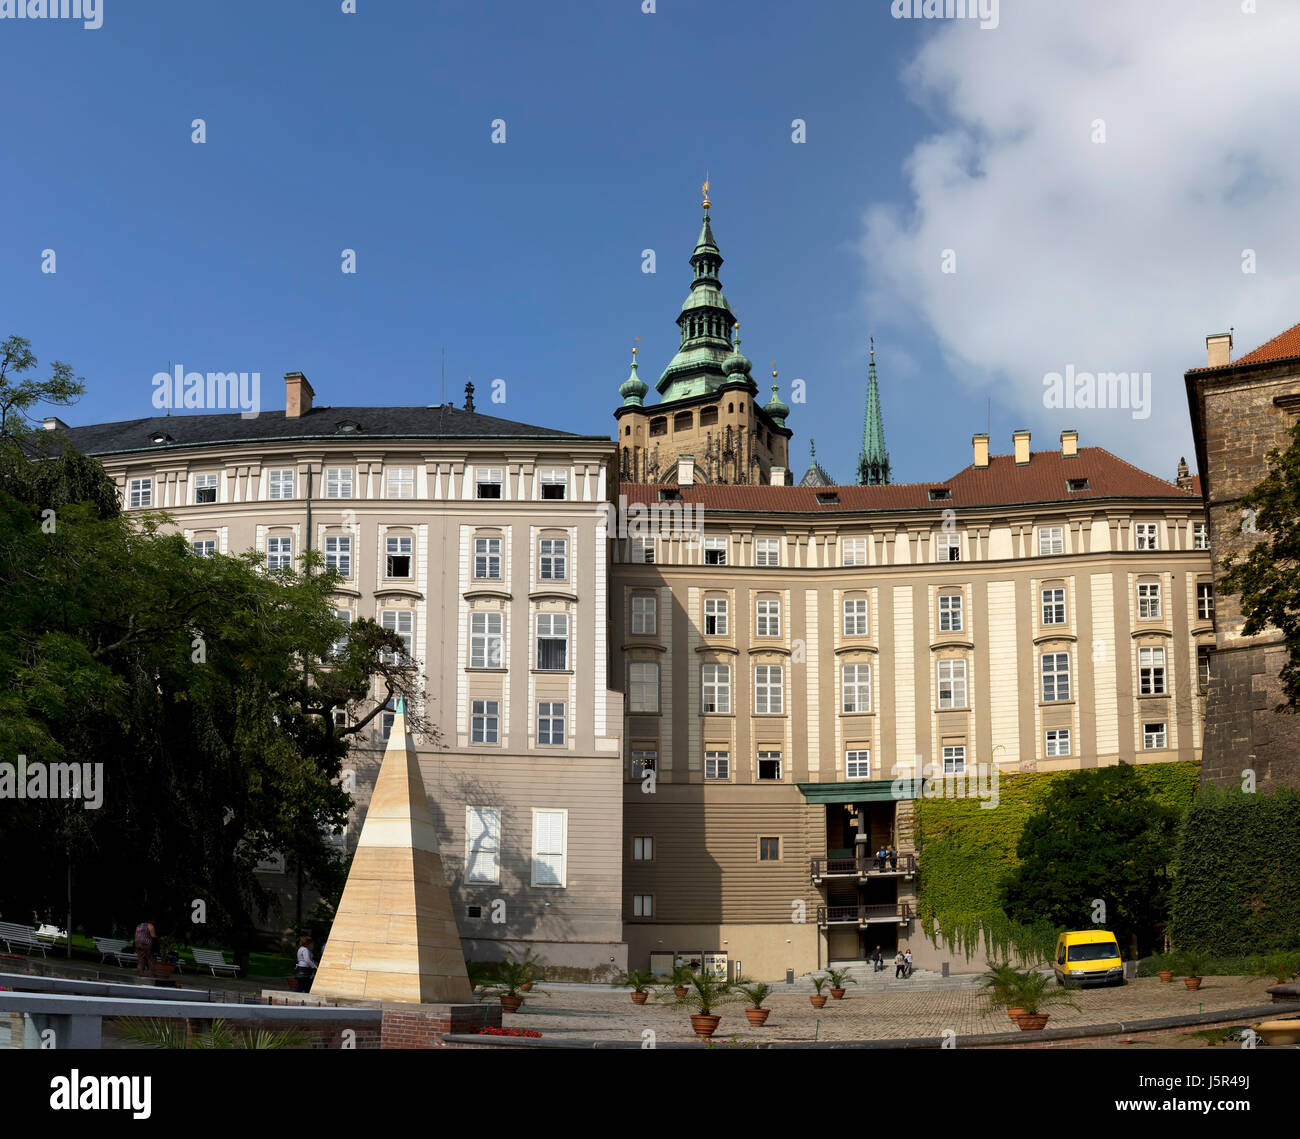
(490, 1031)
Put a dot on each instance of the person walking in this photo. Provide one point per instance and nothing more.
(145, 936)
(900, 963)
(893, 858)
(907, 957)
(305, 969)
(877, 960)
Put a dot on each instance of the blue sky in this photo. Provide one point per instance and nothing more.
(372, 132)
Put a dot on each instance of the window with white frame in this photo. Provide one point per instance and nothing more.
(715, 688)
(1148, 600)
(853, 551)
(1053, 606)
(768, 619)
(855, 616)
(643, 848)
(205, 489)
(279, 553)
(552, 642)
(140, 492)
(857, 763)
(399, 482)
(715, 551)
(486, 640)
(954, 759)
(717, 765)
(645, 614)
(644, 759)
(397, 560)
(767, 552)
(1146, 535)
(338, 482)
(952, 684)
(484, 721)
(553, 559)
(1200, 536)
(487, 559)
(344, 615)
(488, 482)
(769, 765)
(1057, 742)
(1151, 672)
(716, 616)
(643, 905)
(855, 688)
(1051, 541)
(338, 554)
(279, 483)
(769, 689)
(401, 622)
(643, 551)
(1204, 601)
(555, 483)
(550, 835)
(204, 547)
(482, 844)
(949, 547)
(550, 722)
(643, 686)
(1153, 736)
(1056, 677)
(339, 715)
(950, 613)
(1203, 667)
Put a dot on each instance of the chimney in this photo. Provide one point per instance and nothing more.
(53, 423)
(685, 470)
(1184, 479)
(981, 444)
(778, 476)
(297, 395)
(1069, 443)
(1219, 349)
(1021, 441)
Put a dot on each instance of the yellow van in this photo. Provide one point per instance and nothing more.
(1088, 957)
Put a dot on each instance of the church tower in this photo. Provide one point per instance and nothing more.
(873, 459)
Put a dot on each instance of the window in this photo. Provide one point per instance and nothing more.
(717, 765)
(659, 426)
(549, 835)
(949, 547)
(1076, 485)
(715, 616)
(769, 850)
(279, 553)
(1146, 535)
(401, 622)
(768, 623)
(344, 615)
(482, 844)
(855, 688)
(485, 721)
(552, 642)
(205, 489)
(642, 905)
(398, 560)
(1056, 677)
(643, 848)
(769, 689)
(1153, 736)
(853, 552)
(338, 555)
(643, 551)
(1058, 741)
(1200, 536)
(716, 688)
(387, 717)
(279, 483)
(487, 559)
(825, 497)
(338, 482)
(857, 764)
(767, 552)
(204, 547)
(952, 684)
(954, 759)
(553, 559)
(643, 760)
(645, 613)
(399, 482)
(643, 686)
(550, 722)
(1203, 667)
(1204, 601)
(339, 715)
(855, 617)
(1051, 541)
(555, 483)
(769, 765)
(715, 551)
(486, 640)
(1149, 600)
(940, 494)
(487, 482)
(1053, 606)
(950, 613)
(141, 492)
(1151, 672)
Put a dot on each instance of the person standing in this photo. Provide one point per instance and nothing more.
(877, 960)
(305, 969)
(900, 963)
(145, 936)
(907, 957)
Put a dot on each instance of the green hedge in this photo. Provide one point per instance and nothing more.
(1238, 884)
(964, 851)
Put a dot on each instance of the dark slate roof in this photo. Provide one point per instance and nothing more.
(373, 423)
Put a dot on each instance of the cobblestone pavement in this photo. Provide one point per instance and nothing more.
(578, 1015)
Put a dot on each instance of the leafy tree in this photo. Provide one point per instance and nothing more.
(1268, 577)
(18, 393)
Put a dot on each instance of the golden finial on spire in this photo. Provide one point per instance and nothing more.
(638, 341)
(773, 369)
(706, 203)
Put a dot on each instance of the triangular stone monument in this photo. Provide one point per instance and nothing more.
(394, 937)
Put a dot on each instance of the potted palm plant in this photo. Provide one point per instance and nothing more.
(680, 980)
(511, 977)
(1030, 991)
(1166, 975)
(704, 994)
(1279, 967)
(997, 983)
(755, 992)
(638, 982)
(1192, 965)
(837, 978)
(819, 998)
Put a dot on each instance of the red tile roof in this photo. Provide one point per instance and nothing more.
(1284, 346)
(1001, 483)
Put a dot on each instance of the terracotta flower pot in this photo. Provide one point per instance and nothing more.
(526, 987)
(1015, 1013)
(758, 1016)
(838, 994)
(1192, 982)
(680, 992)
(639, 998)
(1031, 1021)
(511, 1004)
(1279, 1031)
(819, 1000)
(1166, 975)
(705, 1024)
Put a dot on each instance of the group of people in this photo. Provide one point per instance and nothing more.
(887, 855)
(902, 962)
(146, 947)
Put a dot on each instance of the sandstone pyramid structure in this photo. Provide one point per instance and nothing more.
(394, 937)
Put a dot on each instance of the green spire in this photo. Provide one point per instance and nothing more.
(774, 406)
(873, 460)
(634, 388)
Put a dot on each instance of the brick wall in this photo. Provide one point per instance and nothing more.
(424, 1026)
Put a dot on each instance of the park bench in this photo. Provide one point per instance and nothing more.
(21, 936)
(51, 933)
(214, 959)
(116, 948)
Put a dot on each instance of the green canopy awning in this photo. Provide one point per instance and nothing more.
(861, 790)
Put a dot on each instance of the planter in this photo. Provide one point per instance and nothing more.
(1032, 1021)
(639, 998)
(163, 969)
(819, 1000)
(838, 994)
(1192, 982)
(1015, 1013)
(1279, 1031)
(705, 1024)
(526, 987)
(511, 1004)
(758, 1016)
(1166, 975)
(680, 992)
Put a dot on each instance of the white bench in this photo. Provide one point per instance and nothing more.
(49, 932)
(21, 936)
(214, 960)
(116, 948)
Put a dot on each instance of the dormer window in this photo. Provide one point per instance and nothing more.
(1077, 485)
(346, 426)
(160, 437)
(828, 498)
(940, 494)
(670, 494)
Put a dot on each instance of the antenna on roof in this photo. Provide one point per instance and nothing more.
(442, 398)
(169, 384)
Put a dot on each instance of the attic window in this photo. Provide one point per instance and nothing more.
(1077, 484)
(940, 494)
(828, 498)
(345, 426)
(670, 494)
(161, 437)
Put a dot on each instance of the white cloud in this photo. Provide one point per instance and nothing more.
(1113, 256)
